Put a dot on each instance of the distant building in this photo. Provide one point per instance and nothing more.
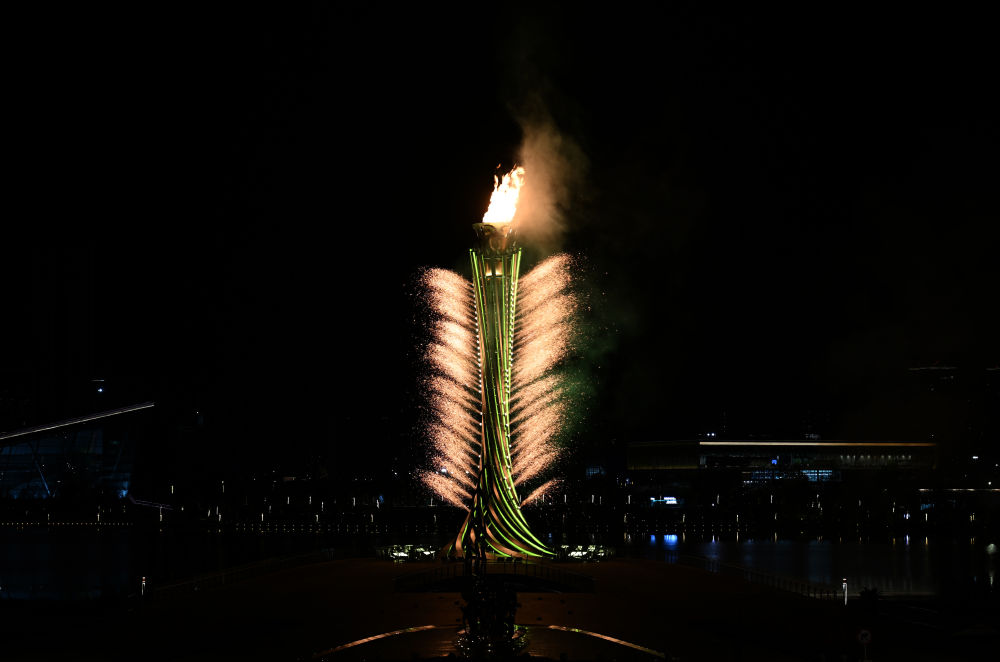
(92, 454)
(809, 460)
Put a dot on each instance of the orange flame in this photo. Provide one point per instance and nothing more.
(503, 202)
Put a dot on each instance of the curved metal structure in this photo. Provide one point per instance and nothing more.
(495, 524)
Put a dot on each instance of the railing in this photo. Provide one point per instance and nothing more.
(568, 581)
(808, 589)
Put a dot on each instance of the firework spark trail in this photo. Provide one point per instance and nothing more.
(543, 284)
(456, 445)
(540, 427)
(541, 463)
(541, 490)
(548, 398)
(545, 311)
(547, 417)
(538, 432)
(456, 417)
(458, 338)
(538, 356)
(533, 461)
(453, 445)
(554, 270)
(450, 296)
(446, 362)
(447, 489)
(456, 473)
(450, 390)
(542, 339)
(553, 314)
(453, 389)
(531, 393)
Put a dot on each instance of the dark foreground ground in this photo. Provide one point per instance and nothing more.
(301, 612)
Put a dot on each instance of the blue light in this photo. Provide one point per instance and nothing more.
(652, 538)
(775, 461)
(670, 540)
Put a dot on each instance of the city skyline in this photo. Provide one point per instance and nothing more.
(227, 214)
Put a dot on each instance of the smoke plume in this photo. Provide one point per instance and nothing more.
(554, 170)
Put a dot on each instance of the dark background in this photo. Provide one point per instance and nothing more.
(225, 210)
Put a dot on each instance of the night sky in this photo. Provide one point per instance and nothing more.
(227, 210)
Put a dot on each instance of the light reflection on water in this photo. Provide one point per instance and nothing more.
(90, 564)
(900, 566)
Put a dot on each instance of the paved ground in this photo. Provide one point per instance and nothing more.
(294, 613)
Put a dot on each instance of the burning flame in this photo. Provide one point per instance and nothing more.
(503, 202)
